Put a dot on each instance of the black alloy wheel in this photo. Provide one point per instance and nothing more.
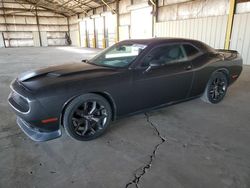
(87, 117)
(216, 88)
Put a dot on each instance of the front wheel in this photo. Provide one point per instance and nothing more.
(216, 88)
(87, 117)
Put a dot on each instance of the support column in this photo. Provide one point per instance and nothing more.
(94, 39)
(86, 34)
(38, 27)
(117, 21)
(104, 33)
(6, 27)
(230, 23)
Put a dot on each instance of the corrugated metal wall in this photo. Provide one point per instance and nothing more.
(23, 28)
(210, 30)
(240, 39)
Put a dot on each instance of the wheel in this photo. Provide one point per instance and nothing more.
(87, 117)
(216, 88)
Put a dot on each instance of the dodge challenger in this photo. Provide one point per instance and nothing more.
(129, 77)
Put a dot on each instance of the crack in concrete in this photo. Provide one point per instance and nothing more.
(145, 168)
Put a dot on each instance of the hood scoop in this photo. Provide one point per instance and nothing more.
(53, 74)
(29, 75)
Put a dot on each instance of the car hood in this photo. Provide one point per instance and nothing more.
(61, 70)
(40, 78)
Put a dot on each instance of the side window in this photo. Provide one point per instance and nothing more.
(190, 50)
(164, 55)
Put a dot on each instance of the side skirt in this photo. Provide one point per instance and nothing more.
(157, 107)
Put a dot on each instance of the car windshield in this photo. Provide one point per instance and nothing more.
(118, 55)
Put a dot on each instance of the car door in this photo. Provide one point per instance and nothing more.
(169, 82)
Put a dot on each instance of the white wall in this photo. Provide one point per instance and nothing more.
(240, 39)
(183, 9)
(210, 30)
(141, 23)
(74, 31)
(21, 28)
(1, 40)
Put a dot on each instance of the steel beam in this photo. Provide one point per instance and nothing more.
(117, 21)
(6, 27)
(113, 11)
(38, 27)
(230, 23)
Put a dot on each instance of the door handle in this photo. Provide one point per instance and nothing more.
(188, 67)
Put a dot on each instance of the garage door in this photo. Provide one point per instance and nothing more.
(90, 31)
(124, 32)
(110, 19)
(99, 26)
(141, 23)
(83, 34)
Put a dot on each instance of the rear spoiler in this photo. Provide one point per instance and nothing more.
(226, 51)
(227, 54)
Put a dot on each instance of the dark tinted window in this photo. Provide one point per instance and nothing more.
(165, 55)
(190, 50)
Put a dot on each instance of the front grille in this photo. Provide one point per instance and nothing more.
(19, 102)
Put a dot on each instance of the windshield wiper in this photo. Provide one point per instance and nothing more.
(85, 61)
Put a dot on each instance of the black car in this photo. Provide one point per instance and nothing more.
(129, 77)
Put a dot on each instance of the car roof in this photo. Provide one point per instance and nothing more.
(162, 40)
(158, 40)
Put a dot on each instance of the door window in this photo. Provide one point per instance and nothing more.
(165, 55)
(190, 50)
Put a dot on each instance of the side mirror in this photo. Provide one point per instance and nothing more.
(84, 60)
(153, 64)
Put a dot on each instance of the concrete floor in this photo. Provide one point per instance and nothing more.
(191, 145)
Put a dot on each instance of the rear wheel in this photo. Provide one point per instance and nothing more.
(216, 88)
(87, 117)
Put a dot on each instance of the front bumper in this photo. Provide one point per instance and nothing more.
(36, 134)
(31, 113)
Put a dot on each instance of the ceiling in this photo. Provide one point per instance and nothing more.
(64, 7)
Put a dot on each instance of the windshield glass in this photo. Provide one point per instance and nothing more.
(119, 55)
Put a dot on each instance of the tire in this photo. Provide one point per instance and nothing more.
(87, 117)
(216, 88)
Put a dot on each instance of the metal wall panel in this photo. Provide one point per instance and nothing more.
(110, 24)
(36, 38)
(124, 32)
(44, 38)
(99, 26)
(141, 23)
(1, 40)
(211, 30)
(90, 32)
(83, 33)
(18, 39)
(175, 10)
(240, 39)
